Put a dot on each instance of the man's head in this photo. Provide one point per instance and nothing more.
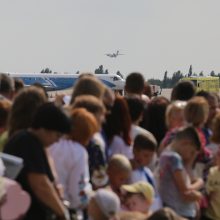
(143, 149)
(134, 83)
(51, 122)
(183, 91)
(187, 143)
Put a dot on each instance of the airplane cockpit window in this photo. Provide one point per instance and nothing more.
(115, 78)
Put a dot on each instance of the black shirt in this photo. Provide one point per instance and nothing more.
(26, 145)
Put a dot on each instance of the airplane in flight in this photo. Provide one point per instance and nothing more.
(114, 55)
(59, 81)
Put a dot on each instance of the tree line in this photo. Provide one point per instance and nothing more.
(169, 82)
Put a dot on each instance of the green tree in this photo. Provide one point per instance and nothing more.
(165, 78)
(100, 70)
(212, 73)
(201, 73)
(155, 82)
(176, 77)
(46, 70)
(190, 71)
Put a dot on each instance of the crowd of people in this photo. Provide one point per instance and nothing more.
(106, 156)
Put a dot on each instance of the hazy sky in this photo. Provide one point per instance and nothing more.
(71, 35)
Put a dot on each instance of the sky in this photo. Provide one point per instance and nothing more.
(74, 35)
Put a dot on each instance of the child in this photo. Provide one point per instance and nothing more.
(174, 120)
(213, 190)
(176, 189)
(144, 149)
(139, 197)
(196, 113)
(119, 172)
(104, 205)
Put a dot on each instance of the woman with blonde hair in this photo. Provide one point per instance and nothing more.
(71, 158)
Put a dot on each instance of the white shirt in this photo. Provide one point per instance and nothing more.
(118, 146)
(136, 130)
(71, 163)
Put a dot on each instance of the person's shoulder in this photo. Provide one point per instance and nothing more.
(117, 140)
(170, 155)
(140, 130)
(67, 147)
(17, 138)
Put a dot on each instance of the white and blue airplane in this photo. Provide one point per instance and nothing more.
(60, 81)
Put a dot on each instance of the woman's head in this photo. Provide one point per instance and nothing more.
(196, 111)
(118, 122)
(84, 125)
(154, 117)
(24, 107)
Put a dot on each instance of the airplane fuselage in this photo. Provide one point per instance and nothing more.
(56, 81)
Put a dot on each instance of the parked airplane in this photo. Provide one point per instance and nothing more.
(57, 81)
(114, 55)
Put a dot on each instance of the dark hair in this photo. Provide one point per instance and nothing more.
(136, 108)
(5, 106)
(134, 83)
(203, 93)
(6, 84)
(25, 104)
(154, 117)
(19, 84)
(189, 133)
(118, 122)
(143, 142)
(183, 90)
(147, 89)
(51, 117)
(40, 86)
